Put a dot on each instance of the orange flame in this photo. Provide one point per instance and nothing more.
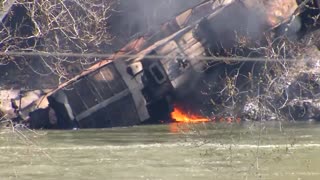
(179, 116)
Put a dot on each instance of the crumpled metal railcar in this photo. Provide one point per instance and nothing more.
(123, 91)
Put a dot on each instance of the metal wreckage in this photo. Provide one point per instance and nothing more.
(127, 90)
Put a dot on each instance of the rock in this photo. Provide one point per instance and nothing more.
(25, 101)
(255, 110)
(5, 102)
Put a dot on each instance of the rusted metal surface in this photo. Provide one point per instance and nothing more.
(136, 46)
(95, 99)
(89, 95)
(189, 17)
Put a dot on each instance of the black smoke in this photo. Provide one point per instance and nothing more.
(136, 17)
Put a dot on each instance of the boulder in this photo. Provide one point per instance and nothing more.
(18, 103)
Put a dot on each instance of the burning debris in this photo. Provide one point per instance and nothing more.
(150, 73)
(179, 116)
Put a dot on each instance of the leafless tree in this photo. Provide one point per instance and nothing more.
(60, 26)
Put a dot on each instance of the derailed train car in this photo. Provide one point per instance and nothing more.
(128, 91)
(115, 93)
(178, 56)
(122, 92)
(105, 97)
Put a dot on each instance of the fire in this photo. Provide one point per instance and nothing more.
(179, 116)
(280, 10)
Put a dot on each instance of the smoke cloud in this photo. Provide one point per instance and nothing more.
(138, 16)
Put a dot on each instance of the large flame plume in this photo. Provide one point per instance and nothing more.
(179, 116)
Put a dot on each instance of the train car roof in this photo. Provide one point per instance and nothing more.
(132, 47)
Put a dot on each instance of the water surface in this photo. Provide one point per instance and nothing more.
(269, 150)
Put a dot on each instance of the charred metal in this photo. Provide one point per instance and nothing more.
(129, 91)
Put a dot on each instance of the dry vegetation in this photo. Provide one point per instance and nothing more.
(285, 86)
(263, 89)
(59, 26)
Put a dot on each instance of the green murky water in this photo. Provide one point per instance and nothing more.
(174, 151)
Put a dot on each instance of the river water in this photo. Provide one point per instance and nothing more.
(268, 150)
